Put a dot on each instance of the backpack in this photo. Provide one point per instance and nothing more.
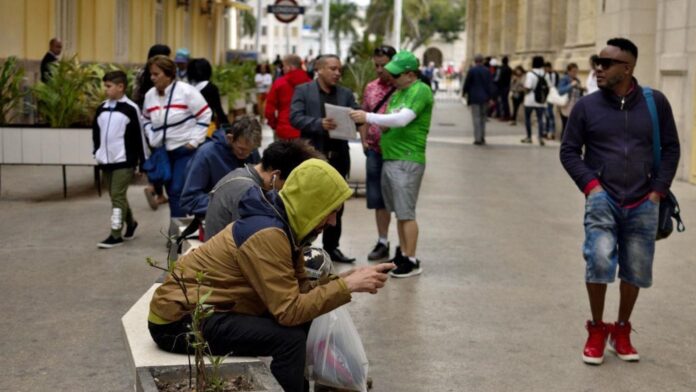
(541, 90)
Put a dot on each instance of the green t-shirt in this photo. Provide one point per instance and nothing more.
(408, 143)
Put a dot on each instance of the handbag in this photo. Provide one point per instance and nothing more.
(556, 98)
(669, 206)
(157, 166)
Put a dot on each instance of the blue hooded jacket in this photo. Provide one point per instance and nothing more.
(212, 161)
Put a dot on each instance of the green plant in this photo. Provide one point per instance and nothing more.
(63, 101)
(11, 92)
(205, 382)
(341, 18)
(234, 80)
(365, 48)
(357, 75)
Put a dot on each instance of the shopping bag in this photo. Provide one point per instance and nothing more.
(557, 99)
(335, 354)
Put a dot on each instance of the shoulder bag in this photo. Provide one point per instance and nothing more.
(669, 207)
(157, 166)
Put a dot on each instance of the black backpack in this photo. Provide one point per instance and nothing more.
(541, 90)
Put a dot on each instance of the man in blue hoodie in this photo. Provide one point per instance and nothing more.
(229, 149)
(616, 173)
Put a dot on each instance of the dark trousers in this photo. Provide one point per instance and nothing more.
(243, 335)
(339, 158)
(516, 103)
(504, 103)
(528, 120)
(179, 159)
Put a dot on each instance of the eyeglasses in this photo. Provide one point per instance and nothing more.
(607, 62)
(384, 50)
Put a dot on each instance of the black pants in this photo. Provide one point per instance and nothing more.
(339, 158)
(243, 335)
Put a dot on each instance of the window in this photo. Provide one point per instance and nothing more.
(263, 31)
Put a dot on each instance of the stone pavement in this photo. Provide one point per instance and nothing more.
(500, 305)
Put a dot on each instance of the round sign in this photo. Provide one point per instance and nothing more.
(286, 11)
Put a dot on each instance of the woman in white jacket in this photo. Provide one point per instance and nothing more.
(180, 110)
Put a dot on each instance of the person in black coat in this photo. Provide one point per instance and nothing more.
(199, 73)
(55, 47)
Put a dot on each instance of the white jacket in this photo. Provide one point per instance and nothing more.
(187, 120)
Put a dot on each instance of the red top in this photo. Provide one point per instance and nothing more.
(278, 101)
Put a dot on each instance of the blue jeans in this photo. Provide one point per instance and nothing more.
(373, 182)
(550, 120)
(528, 120)
(179, 159)
(618, 236)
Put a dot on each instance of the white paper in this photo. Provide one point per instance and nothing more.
(345, 127)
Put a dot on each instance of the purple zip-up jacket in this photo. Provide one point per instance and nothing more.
(616, 134)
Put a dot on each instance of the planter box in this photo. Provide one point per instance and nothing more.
(258, 373)
(46, 146)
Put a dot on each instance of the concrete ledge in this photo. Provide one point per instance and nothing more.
(142, 350)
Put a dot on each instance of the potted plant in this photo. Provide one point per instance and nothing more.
(11, 91)
(235, 81)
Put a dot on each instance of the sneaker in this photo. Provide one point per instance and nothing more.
(526, 140)
(397, 256)
(406, 268)
(541, 142)
(379, 253)
(593, 354)
(620, 342)
(130, 231)
(151, 197)
(110, 242)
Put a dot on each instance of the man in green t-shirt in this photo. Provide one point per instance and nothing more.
(403, 150)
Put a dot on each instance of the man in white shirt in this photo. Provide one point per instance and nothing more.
(531, 104)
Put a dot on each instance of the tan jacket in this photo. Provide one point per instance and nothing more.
(257, 278)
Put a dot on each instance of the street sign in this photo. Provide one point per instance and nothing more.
(286, 11)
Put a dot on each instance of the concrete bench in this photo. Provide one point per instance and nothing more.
(142, 350)
(48, 147)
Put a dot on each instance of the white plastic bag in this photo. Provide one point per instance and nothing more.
(335, 354)
(555, 98)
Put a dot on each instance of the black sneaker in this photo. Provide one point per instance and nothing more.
(379, 253)
(406, 268)
(110, 242)
(397, 256)
(130, 231)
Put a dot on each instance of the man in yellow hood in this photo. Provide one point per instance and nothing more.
(262, 299)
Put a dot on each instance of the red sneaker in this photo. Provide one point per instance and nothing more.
(593, 354)
(620, 342)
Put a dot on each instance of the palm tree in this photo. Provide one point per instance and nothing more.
(380, 18)
(341, 19)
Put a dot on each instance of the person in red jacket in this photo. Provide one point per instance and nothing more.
(279, 98)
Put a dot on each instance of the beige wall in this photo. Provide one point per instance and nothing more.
(119, 31)
(565, 31)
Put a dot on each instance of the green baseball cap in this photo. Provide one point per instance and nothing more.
(402, 62)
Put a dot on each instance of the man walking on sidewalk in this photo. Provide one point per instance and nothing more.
(478, 91)
(614, 127)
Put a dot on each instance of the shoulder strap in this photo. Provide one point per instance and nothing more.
(657, 147)
(166, 112)
(383, 101)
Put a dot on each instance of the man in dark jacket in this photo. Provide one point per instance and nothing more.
(478, 91)
(229, 149)
(615, 171)
(55, 47)
(308, 114)
(503, 83)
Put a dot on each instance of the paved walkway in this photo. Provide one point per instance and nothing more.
(500, 305)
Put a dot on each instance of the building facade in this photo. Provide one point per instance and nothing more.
(572, 30)
(113, 31)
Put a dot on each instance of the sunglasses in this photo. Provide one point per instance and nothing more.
(384, 51)
(395, 76)
(607, 62)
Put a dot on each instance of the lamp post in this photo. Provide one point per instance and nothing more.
(258, 28)
(397, 24)
(325, 26)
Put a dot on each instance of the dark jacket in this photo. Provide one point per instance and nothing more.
(616, 134)
(212, 161)
(504, 77)
(306, 114)
(212, 96)
(48, 58)
(278, 102)
(478, 85)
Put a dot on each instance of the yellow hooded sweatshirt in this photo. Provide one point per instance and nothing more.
(312, 191)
